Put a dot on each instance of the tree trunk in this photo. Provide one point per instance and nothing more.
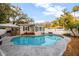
(73, 32)
(13, 20)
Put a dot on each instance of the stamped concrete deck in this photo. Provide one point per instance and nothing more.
(0, 54)
(17, 50)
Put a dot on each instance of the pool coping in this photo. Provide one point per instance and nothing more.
(11, 37)
(64, 38)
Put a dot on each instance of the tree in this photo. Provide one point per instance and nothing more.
(24, 19)
(5, 12)
(68, 21)
(16, 13)
(75, 9)
(8, 11)
(77, 25)
(55, 23)
(47, 24)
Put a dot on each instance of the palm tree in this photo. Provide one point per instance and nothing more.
(75, 9)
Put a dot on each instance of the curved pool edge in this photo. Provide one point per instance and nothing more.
(66, 38)
(34, 40)
(65, 41)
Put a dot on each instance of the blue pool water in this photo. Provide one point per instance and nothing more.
(44, 40)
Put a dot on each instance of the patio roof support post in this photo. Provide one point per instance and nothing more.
(19, 30)
(34, 29)
(0, 41)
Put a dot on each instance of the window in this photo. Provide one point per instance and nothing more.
(36, 28)
(23, 28)
(26, 28)
(40, 28)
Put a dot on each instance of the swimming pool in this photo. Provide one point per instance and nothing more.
(42, 40)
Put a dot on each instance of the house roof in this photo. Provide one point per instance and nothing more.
(30, 25)
(8, 25)
(26, 24)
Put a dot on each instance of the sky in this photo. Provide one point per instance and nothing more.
(44, 12)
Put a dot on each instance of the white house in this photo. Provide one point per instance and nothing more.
(31, 28)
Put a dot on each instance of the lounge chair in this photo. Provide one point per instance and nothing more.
(50, 33)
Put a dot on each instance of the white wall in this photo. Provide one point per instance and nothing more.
(56, 31)
(2, 31)
(21, 30)
(38, 32)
